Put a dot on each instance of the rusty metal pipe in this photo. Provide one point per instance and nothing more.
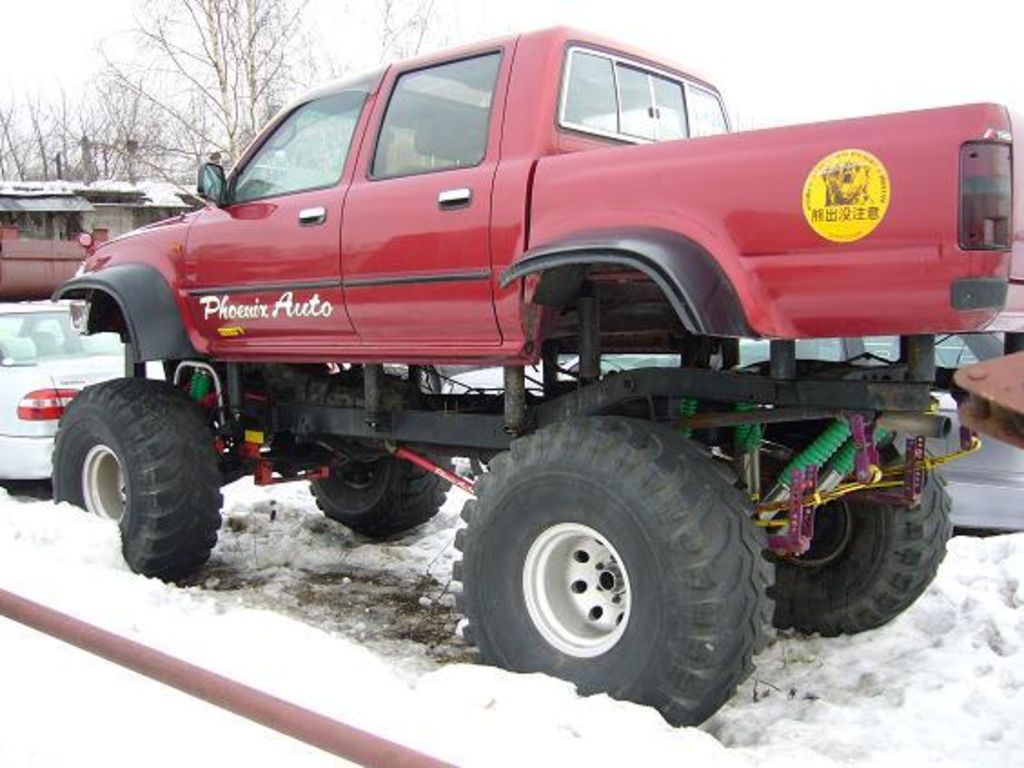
(760, 416)
(290, 719)
(424, 463)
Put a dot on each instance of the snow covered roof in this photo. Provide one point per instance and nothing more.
(46, 203)
(154, 194)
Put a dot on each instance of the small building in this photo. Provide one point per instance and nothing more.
(60, 210)
(40, 221)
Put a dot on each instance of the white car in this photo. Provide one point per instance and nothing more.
(44, 363)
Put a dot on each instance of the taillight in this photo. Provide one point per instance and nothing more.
(45, 404)
(985, 185)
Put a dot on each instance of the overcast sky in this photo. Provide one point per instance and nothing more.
(778, 61)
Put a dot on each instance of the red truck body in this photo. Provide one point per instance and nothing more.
(391, 276)
(506, 203)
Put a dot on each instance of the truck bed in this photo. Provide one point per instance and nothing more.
(740, 196)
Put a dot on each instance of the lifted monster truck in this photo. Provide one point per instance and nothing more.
(522, 201)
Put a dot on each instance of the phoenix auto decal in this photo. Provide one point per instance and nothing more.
(224, 308)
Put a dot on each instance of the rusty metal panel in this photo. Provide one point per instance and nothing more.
(996, 403)
(32, 269)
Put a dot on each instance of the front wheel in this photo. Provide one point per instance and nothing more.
(139, 453)
(612, 553)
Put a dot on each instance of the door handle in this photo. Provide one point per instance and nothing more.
(454, 198)
(309, 217)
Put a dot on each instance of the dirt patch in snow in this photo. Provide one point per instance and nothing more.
(278, 552)
(376, 609)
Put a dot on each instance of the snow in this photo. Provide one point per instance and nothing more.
(160, 194)
(296, 605)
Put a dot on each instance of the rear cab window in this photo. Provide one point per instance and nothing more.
(607, 95)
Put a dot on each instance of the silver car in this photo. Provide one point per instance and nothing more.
(44, 363)
(988, 486)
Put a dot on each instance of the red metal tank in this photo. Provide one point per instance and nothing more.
(32, 269)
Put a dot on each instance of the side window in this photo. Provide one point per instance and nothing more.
(651, 107)
(590, 93)
(670, 109)
(606, 95)
(706, 116)
(437, 118)
(636, 112)
(307, 151)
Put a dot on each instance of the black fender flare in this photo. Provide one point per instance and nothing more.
(693, 282)
(154, 324)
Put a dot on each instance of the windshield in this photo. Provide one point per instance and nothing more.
(34, 337)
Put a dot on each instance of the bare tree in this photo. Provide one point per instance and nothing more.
(215, 70)
(12, 155)
(204, 76)
(41, 135)
(402, 27)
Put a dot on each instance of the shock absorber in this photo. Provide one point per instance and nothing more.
(842, 463)
(816, 454)
(747, 451)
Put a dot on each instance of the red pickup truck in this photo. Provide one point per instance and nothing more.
(543, 202)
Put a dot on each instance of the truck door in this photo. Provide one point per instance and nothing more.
(263, 270)
(416, 236)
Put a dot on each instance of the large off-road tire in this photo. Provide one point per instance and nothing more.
(867, 564)
(381, 498)
(139, 452)
(613, 553)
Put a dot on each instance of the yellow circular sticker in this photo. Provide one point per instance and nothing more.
(846, 195)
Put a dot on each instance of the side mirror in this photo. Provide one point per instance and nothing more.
(212, 185)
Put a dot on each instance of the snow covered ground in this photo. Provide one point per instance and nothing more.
(298, 606)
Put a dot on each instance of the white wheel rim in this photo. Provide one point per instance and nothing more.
(103, 483)
(577, 590)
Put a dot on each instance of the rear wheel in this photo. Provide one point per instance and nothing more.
(380, 498)
(868, 562)
(612, 553)
(139, 453)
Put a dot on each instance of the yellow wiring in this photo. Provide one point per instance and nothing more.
(877, 481)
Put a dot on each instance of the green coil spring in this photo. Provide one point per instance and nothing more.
(747, 437)
(820, 451)
(199, 384)
(688, 407)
